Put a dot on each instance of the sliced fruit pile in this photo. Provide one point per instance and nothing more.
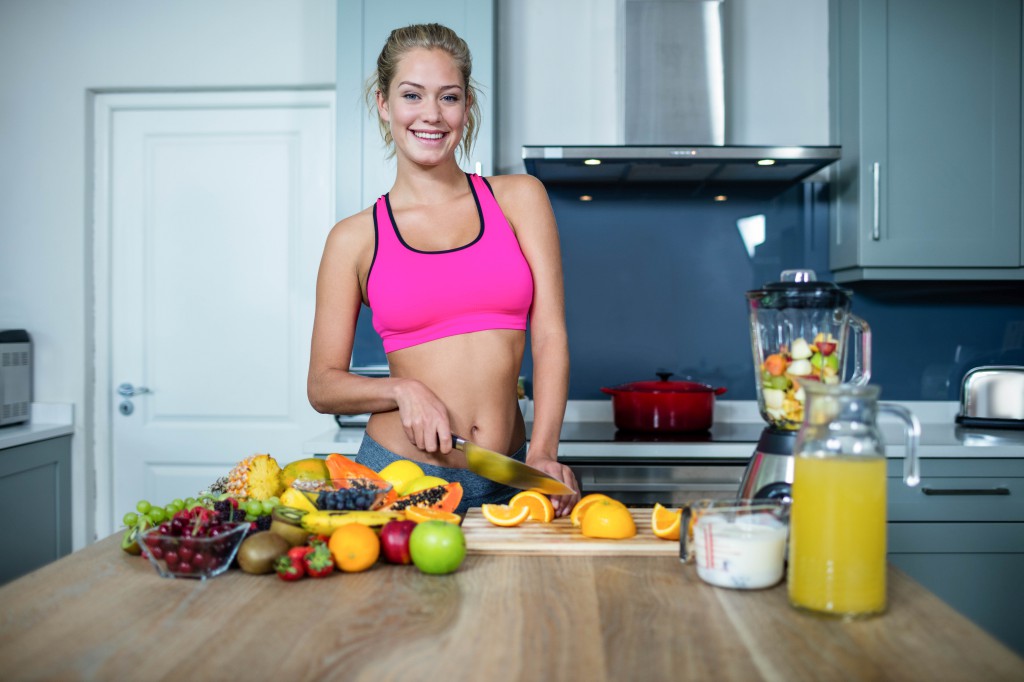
(315, 515)
(782, 373)
(596, 515)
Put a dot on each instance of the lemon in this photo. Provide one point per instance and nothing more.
(400, 474)
(422, 483)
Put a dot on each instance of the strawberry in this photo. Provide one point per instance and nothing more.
(318, 561)
(289, 568)
(298, 553)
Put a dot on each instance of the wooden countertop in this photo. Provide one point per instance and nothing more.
(101, 614)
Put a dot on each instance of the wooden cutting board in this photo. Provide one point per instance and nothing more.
(560, 537)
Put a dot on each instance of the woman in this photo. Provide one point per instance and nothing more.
(452, 266)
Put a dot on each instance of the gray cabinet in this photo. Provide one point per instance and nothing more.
(926, 104)
(960, 533)
(35, 500)
(363, 174)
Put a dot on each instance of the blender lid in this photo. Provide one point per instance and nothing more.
(800, 289)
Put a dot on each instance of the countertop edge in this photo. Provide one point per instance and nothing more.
(47, 420)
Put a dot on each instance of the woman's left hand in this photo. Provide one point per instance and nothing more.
(563, 504)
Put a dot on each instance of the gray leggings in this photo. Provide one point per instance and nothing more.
(476, 490)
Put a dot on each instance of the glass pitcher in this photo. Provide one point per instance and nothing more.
(799, 331)
(837, 541)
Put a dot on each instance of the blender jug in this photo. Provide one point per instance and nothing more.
(801, 333)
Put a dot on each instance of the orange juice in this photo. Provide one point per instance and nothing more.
(837, 534)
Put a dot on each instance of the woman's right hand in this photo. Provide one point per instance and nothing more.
(424, 417)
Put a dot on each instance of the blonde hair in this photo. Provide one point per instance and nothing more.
(430, 37)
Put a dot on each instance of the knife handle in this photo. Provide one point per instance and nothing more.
(458, 442)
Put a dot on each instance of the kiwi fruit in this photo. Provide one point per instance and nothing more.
(130, 539)
(259, 551)
(295, 535)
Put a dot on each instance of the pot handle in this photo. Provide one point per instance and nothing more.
(664, 376)
(720, 390)
(609, 391)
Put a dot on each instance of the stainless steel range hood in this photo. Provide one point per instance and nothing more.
(676, 163)
(674, 111)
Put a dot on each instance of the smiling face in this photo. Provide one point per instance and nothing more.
(426, 107)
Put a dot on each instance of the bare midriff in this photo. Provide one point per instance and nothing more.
(475, 376)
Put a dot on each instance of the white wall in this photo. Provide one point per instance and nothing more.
(560, 79)
(52, 53)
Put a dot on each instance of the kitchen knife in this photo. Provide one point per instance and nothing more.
(502, 469)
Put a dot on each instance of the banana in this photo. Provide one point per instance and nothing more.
(324, 522)
(297, 499)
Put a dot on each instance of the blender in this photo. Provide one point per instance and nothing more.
(801, 331)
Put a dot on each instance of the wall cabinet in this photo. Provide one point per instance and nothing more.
(960, 533)
(363, 174)
(35, 497)
(926, 103)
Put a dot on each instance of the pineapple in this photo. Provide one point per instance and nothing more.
(257, 477)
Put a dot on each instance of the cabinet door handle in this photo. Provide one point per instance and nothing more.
(876, 175)
(966, 491)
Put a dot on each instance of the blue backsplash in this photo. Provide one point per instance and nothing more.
(655, 280)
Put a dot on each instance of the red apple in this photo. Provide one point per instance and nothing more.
(394, 541)
(826, 347)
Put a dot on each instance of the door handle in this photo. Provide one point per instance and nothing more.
(876, 185)
(128, 391)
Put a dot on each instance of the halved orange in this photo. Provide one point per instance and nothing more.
(504, 514)
(666, 523)
(539, 505)
(608, 519)
(419, 514)
(581, 507)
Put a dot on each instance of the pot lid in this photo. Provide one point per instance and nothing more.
(663, 386)
(800, 289)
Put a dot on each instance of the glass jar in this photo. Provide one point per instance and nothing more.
(837, 547)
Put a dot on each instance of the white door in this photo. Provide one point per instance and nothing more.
(211, 214)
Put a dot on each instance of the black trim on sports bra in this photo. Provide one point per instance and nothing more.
(398, 233)
(376, 243)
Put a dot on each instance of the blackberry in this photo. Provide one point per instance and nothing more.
(238, 515)
(263, 522)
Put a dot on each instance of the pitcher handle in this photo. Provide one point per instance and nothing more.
(912, 429)
(861, 343)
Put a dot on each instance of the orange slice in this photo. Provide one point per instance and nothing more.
(539, 505)
(608, 519)
(505, 515)
(581, 507)
(666, 523)
(419, 514)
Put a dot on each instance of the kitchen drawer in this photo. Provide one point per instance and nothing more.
(955, 538)
(957, 499)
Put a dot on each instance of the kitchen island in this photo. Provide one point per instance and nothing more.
(102, 614)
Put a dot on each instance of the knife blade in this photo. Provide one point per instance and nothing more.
(500, 468)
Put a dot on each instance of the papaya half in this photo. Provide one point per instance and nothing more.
(442, 497)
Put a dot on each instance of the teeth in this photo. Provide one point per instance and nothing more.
(429, 136)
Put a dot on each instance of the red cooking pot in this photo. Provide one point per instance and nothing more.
(663, 406)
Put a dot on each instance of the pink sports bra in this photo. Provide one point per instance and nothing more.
(420, 296)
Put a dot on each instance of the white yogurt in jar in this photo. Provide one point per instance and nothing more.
(747, 552)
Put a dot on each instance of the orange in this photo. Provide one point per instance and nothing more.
(419, 514)
(539, 505)
(608, 519)
(581, 507)
(666, 523)
(355, 547)
(505, 515)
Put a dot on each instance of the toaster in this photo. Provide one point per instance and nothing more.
(15, 376)
(992, 396)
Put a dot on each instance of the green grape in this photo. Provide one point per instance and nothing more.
(157, 515)
(130, 519)
(267, 507)
(250, 517)
(178, 504)
(222, 497)
(194, 505)
(253, 508)
(143, 507)
(190, 502)
(170, 510)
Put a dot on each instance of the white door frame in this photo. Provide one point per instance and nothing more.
(99, 418)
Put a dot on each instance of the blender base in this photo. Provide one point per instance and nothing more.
(769, 472)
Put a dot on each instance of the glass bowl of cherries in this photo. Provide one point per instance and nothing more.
(193, 544)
